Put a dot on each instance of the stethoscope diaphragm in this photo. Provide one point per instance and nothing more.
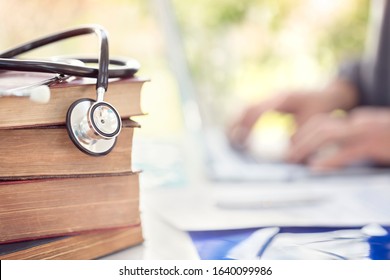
(93, 126)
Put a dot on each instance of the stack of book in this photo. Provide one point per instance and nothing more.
(55, 201)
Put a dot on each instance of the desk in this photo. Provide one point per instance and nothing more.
(165, 240)
(162, 242)
(354, 202)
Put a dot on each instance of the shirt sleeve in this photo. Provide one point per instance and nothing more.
(369, 74)
(350, 71)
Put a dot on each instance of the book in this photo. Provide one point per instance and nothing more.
(50, 189)
(43, 208)
(42, 152)
(91, 245)
(123, 94)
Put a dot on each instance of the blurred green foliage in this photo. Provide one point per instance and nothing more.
(248, 48)
(346, 35)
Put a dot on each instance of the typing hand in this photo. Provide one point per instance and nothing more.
(302, 105)
(363, 135)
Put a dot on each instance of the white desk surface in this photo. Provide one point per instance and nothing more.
(165, 222)
(172, 203)
(162, 241)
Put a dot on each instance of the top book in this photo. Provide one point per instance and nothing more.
(123, 94)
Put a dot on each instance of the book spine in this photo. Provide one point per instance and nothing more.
(44, 153)
(78, 247)
(124, 95)
(42, 208)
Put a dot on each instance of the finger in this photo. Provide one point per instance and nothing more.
(311, 126)
(240, 130)
(345, 155)
(314, 136)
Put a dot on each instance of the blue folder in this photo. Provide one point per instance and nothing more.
(215, 245)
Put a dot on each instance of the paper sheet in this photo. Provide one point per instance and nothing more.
(354, 202)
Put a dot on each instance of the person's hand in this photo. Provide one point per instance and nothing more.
(301, 104)
(328, 143)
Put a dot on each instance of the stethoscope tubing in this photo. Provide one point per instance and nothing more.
(127, 67)
(83, 128)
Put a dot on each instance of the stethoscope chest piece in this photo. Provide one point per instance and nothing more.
(93, 126)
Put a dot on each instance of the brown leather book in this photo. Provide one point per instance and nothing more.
(53, 207)
(91, 245)
(123, 94)
(48, 152)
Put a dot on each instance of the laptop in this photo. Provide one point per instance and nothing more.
(220, 161)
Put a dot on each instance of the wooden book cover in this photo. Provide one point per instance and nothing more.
(123, 94)
(48, 152)
(85, 246)
(43, 208)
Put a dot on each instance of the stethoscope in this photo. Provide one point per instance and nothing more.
(92, 125)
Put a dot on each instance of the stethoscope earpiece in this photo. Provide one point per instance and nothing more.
(93, 126)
